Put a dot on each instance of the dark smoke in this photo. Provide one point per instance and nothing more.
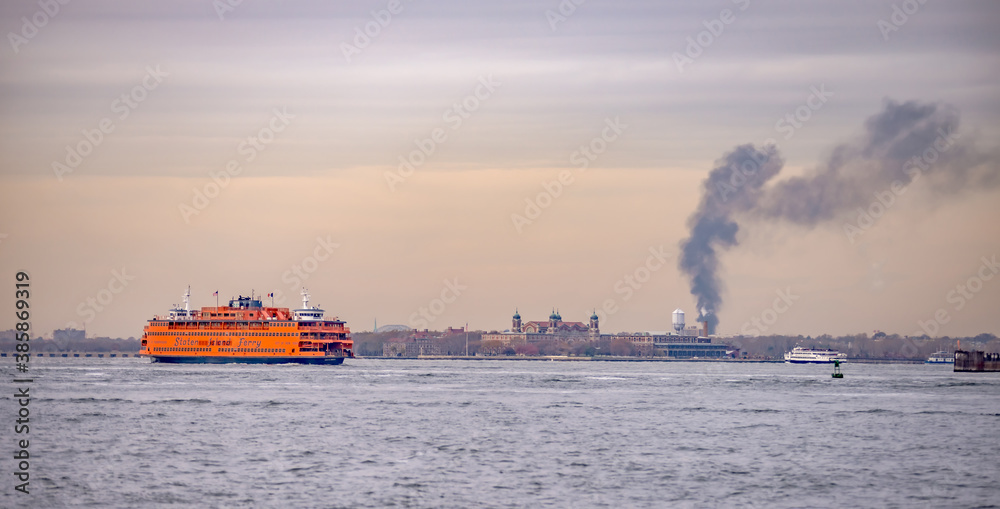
(712, 225)
(902, 143)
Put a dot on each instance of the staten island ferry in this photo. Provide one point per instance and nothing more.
(246, 331)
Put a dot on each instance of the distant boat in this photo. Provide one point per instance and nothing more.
(941, 357)
(800, 355)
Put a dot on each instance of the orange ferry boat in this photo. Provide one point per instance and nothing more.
(246, 331)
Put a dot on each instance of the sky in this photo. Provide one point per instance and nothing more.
(434, 164)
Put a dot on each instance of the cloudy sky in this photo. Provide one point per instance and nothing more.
(436, 163)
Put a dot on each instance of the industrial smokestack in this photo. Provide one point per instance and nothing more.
(902, 143)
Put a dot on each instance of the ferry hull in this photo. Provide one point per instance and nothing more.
(328, 361)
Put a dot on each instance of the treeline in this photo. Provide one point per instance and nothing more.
(367, 344)
(863, 346)
(39, 345)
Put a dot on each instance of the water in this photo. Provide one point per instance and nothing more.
(407, 433)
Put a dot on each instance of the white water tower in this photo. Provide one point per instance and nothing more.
(678, 320)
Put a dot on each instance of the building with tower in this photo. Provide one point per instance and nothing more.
(554, 328)
(684, 343)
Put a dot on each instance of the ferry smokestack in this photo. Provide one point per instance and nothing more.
(704, 328)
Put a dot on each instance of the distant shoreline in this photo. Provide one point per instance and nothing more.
(559, 358)
(626, 359)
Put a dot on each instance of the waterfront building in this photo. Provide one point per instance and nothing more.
(686, 344)
(552, 329)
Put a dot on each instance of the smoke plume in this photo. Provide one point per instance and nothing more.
(901, 144)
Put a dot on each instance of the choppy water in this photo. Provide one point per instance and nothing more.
(378, 433)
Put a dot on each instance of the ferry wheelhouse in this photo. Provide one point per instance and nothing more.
(246, 331)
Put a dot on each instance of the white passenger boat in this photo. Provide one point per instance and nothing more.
(800, 355)
(941, 357)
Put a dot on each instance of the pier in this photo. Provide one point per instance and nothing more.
(977, 361)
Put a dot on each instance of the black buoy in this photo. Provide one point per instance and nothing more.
(836, 369)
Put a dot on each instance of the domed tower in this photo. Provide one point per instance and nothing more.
(516, 324)
(595, 330)
(553, 321)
